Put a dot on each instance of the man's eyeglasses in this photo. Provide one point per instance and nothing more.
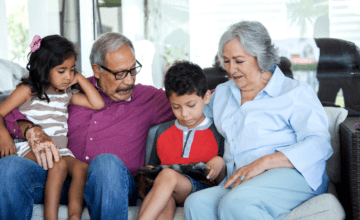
(122, 74)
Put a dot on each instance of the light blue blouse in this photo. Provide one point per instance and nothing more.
(285, 116)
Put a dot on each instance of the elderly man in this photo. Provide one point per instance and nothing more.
(111, 140)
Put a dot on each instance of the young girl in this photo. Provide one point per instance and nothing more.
(43, 98)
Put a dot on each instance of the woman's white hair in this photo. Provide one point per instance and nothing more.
(254, 39)
(107, 42)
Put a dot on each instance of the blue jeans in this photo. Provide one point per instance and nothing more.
(196, 185)
(110, 188)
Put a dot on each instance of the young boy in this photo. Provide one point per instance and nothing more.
(191, 138)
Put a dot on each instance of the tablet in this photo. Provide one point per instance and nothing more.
(198, 171)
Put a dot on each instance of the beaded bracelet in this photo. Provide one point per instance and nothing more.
(29, 127)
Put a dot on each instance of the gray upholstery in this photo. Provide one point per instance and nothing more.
(323, 207)
(10, 75)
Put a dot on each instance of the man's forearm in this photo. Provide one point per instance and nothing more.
(11, 123)
(23, 125)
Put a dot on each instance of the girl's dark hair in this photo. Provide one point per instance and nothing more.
(54, 50)
(185, 78)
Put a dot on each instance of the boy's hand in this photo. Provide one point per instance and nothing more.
(144, 183)
(216, 165)
(7, 146)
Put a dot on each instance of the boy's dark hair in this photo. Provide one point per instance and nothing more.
(54, 50)
(185, 78)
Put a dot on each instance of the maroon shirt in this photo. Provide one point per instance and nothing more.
(120, 128)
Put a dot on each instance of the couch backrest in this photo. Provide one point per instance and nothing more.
(337, 58)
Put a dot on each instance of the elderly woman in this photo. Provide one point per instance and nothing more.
(275, 129)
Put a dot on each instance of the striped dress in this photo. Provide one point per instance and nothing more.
(51, 116)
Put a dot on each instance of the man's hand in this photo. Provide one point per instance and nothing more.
(144, 183)
(7, 146)
(43, 147)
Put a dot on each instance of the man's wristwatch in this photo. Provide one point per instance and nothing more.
(29, 127)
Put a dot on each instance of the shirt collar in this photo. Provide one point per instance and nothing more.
(204, 125)
(274, 86)
(93, 81)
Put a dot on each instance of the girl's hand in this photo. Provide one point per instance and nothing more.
(246, 172)
(216, 165)
(43, 147)
(7, 146)
(76, 79)
(91, 98)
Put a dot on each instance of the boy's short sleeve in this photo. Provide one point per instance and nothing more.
(219, 139)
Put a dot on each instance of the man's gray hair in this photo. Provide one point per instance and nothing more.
(108, 42)
(254, 39)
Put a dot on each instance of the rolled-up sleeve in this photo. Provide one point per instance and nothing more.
(10, 121)
(313, 148)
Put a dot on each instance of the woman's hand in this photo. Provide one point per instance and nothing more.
(143, 184)
(246, 172)
(216, 165)
(43, 147)
(271, 161)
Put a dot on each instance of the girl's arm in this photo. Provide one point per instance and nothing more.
(91, 99)
(19, 96)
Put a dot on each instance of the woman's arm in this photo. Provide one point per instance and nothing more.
(271, 161)
(91, 99)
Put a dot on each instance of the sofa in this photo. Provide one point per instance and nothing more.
(326, 206)
(343, 197)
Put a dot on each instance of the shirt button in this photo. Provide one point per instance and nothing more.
(86, 157)
(107, 108)
(16, 136)
(91, 139)
(185, 132)
(14, 130)
(94, 122)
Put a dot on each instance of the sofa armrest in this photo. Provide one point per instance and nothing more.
(150, 141)
(350, 167)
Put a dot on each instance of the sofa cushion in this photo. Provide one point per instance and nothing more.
(134, 210)
(10, 75)
(322, 207)
(38, 213)
(333, 166)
